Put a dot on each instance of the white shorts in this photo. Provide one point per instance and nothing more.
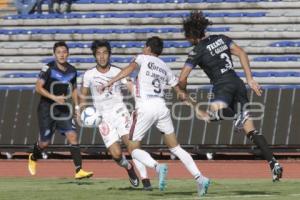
(115, 123)
(153, 111)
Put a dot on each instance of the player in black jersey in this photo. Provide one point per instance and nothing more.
(213, 54)
(56, 84)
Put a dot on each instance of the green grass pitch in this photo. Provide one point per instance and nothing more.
(69, 189)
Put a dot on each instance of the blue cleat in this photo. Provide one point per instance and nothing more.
(203, 187)
(162, 175)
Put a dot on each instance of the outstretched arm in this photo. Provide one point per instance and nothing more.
(185, 71)
(238, 51)
(191, 102)
(122, 74)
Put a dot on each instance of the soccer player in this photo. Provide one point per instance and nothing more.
(116, 120)
(153, 76)
(56, 83)
(213, 54)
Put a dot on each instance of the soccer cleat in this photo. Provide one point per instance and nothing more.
(147, 185)
(277, 172)
(203, 187)
(83, 174)
(240, 121)
(162, 175)
(31, 165)
(133, 178)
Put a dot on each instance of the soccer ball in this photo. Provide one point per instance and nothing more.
(90, 117)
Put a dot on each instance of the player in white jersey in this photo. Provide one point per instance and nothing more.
(153, 76)
(116, 120)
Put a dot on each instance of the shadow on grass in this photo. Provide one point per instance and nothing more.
(245, 192)
(79, 183)
(125, 188)
(186, 193)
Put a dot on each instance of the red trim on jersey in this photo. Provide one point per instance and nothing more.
(137, 87)
(134, 120)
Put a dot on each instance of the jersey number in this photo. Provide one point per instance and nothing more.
(157, 86)
(228, 65)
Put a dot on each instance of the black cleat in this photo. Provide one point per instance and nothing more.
(277, 172)
(134, 180)
(147, 185)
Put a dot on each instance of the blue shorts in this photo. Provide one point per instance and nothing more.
(59, 119)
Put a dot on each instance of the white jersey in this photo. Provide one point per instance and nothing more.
(107, 99)
(153, 77)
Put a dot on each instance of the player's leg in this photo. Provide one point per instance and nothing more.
(108, 129)
(71, 136)
(260, 141)
(202, 181)
(35, 155)
(116, 153)
(67, 127)
(46, 125)
(253, 134)
(165, 125)
(140, 167)
(142, 121)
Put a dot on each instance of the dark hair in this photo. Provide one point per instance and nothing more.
(60, 44)
(100, 43)
(195, 25)
(156, 44)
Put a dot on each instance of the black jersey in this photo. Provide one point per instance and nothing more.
(58, 82)
(213, 55)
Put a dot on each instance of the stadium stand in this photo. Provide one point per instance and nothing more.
(267, 29)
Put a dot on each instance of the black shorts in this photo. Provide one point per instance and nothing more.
(57, 119)
(233, 92)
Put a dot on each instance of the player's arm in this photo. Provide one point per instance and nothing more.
(74, 95)
(191, 102)
(123, 73)
(39, 88)
(185, 71)
(75, 99)
(84, 91)
(243, 57)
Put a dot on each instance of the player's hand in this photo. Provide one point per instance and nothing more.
(107, 85)
(182, 96)
(59, 99)
(255, 87)
(202, 115)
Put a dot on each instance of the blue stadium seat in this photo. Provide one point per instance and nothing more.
(87, 1)
(91, 60)
(22, 75)
(113, 59)
(277, 59)
(215, 14)
(218, 29)
(285, 44)
(256, 14)
(128, 44)
(272, 74)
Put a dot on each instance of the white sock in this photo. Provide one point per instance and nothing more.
(124, 163)
(188, 161)
(145, 158)
(141, 169)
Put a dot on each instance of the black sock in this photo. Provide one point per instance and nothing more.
(76, 156)
(260, 141)
(37, 152)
